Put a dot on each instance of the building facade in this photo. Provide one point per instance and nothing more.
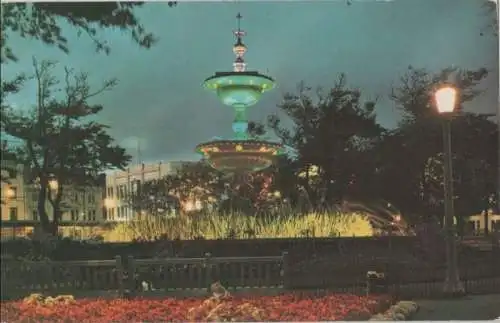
(121, 184)
(477, 223)
(13, 199)
(20, 199)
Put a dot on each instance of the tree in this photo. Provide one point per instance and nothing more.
(9, 155)
(409, 156)
(334, 132)
(199, 182)
(491, 12)
(63, 144)
(42, 21)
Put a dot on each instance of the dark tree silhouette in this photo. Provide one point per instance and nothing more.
(334, 131)
(42, 21)
(61, 141)
(411, 155)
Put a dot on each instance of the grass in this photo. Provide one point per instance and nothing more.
(239, 226)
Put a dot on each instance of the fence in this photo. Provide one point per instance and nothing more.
(57, 277)
(127, 276)
(408, 280)
(198, 273)
(121, 277)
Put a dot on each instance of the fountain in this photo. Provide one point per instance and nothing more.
(239, 89)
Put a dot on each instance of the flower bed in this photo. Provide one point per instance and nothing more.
(287, 307)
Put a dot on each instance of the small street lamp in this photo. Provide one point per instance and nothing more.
(10, 193)
(53, 184)
(446, 100)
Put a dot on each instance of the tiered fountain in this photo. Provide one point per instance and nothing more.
(239, 89)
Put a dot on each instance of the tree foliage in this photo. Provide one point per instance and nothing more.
(62, 141)
(333, 131)
(42, 21)
(198, 181)
(411, 155)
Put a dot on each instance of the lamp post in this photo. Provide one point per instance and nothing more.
(446, 98)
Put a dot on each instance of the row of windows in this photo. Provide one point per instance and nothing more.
(12, 193)
(495, 225)
(123, 190)
(76, 215)
(116, 213)
(90, 215)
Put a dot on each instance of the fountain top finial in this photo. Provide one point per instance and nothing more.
(239, 49)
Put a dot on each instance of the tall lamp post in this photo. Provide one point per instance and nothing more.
(446, 98)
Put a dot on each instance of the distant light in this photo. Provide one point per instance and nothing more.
(53, 184)
(109, 203)
(10, 193)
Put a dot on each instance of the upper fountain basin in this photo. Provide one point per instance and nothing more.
(239, 89)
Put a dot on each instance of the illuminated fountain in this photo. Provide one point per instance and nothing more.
(239, 89)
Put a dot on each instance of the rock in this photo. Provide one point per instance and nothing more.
(401, 311)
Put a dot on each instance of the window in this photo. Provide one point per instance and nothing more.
(13, 214)
(93, 214)
(34, 215)
(74, 215)
(121, 191)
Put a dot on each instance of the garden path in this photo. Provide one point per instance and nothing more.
(481, 307)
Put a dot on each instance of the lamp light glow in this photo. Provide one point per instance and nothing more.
(446, 98)
(10, 193)
(53, 184)
(109, 203)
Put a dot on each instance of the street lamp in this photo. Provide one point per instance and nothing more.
(53, 184)
(446, 100)
(10, 193)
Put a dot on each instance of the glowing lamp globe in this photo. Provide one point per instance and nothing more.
(446, 98)
(239, 89)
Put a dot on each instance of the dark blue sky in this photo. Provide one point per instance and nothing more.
(159, 98)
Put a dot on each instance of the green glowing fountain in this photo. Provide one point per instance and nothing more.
(240, 89)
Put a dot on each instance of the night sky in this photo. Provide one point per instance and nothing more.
(159, 98)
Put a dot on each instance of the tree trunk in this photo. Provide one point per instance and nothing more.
(42, 213)
(55, 222)
(486, 221)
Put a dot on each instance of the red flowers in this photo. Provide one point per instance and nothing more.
(288, 307)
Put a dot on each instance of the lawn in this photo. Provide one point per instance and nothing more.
(286, 307)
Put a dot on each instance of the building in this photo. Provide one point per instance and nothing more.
(120, 184)
(477, 222)
(20, 196)
(13, 199)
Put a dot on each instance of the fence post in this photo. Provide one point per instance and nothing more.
(286, 270)
(131, 276)
(119, 274)
(208, 269)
